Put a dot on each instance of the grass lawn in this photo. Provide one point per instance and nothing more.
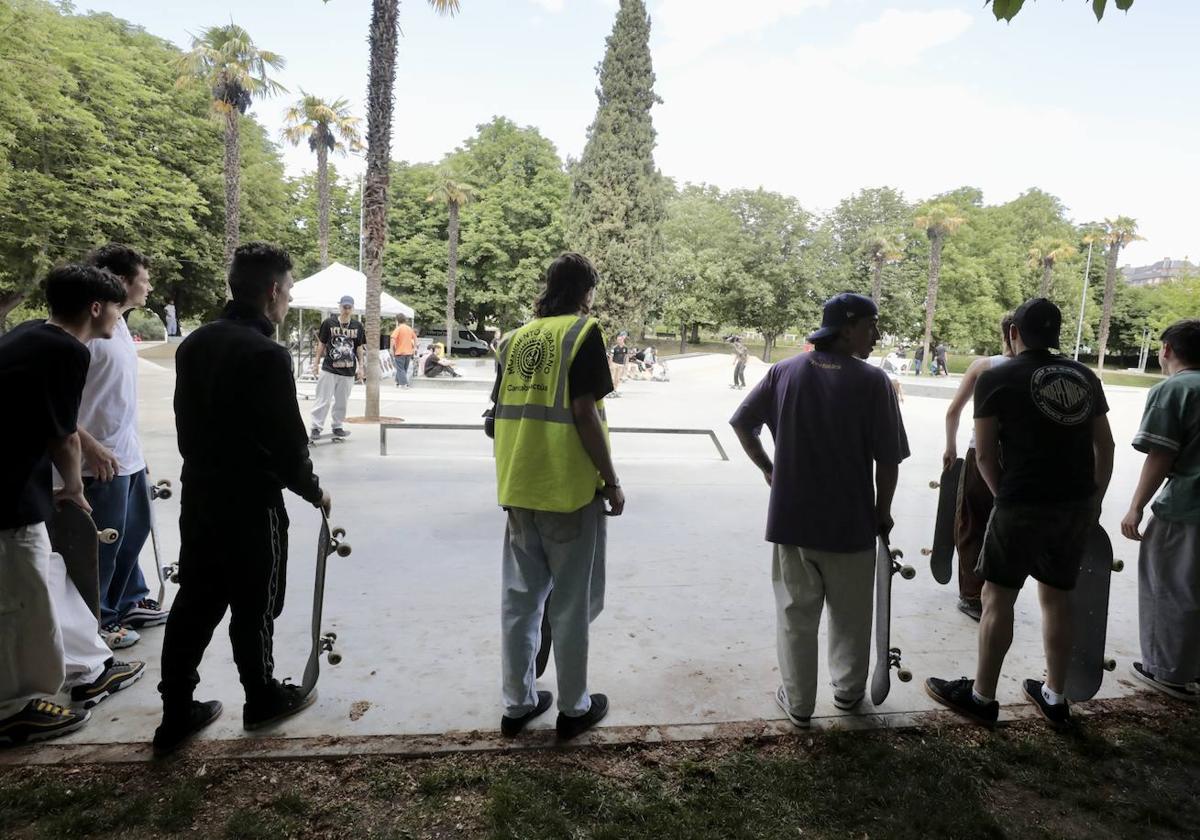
(1126, 773)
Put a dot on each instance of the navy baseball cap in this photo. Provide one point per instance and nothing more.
(1039, 322)
(842, 310)
(346, 301)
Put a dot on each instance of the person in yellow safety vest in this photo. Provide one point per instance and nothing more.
(555, 479)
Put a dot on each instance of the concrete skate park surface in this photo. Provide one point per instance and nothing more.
(686, 644)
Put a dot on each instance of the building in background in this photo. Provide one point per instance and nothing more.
(1163, 271)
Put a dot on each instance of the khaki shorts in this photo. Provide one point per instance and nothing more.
(1046, 542)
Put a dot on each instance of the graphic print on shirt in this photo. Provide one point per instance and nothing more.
(1062, 393)
(533, 352)
(340, 351)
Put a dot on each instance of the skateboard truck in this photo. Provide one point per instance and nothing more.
(902, 673)
(161, 489)
(341, 549)
(327, 642)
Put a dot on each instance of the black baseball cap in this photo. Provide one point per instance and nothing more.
(1039, 322)
(841, 310)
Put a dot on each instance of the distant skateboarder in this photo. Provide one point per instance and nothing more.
(340, 342)
(837, 461)
(740, 356)
(1169, 558)
(1049, 417)
(233, 525)
(974, 498)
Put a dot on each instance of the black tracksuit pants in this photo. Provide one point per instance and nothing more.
(233, 554)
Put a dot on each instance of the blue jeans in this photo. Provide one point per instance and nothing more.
(121, 504)
(402, 363)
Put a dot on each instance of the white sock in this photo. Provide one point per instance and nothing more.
(979, 698)
(1054, 698)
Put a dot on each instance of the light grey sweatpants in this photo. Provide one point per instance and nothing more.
(332, 389)
(1169, 600)
(805, 581)
(563, 552)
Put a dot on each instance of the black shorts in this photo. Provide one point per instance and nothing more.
(1045, 541)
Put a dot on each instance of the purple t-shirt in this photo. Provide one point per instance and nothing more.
(832, 416)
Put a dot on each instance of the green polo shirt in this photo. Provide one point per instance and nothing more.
(1171, 421)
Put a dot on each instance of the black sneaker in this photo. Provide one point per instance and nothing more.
(971, 607)
(958, 695)
(1188, 692)
(569, 727)
(280, 701)
(145, 613)
(116, 677)
(1057, 715)
(846, 703)
(512, 726)
(314, 435)
(40, 720)
(175, 729)
(340, 433)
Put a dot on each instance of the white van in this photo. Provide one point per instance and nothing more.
(465, 341)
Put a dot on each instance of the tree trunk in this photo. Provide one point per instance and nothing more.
(233, 181)
(695, 339)
(452, 280)
(1047, 268)
(768, 344)
(682, 337)
(935, 273)
(323, 204)
(877, 281)
(1110, 282)
(385, 19)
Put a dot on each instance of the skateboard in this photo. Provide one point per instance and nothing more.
(1089, 618)
(160, 489)
(329, 541)
(325, 439)
(886, 657)
(73, 534)
(941, 556)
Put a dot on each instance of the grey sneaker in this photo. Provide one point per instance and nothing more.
(116, 677)
(40, 720)
(1188, 692)
(781, 700)
(340, 433)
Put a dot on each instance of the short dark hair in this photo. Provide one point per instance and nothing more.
(1006, 324)
(1184, 340)
(257, 266)
(568, 280)
(120, 259)
(71, 289)
(401, 319)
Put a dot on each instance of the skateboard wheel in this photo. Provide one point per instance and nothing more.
(897, 553)
(908, 572)
(1118, 566)
(925, 552)
(333, 658)
(934, 485)
(904, 675)
(337, 533)
(1110, 664)
(331, 637)
(343, 550)
(108, 536)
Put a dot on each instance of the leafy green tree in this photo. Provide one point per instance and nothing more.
(617, 198)
(302, 239)
(328, 127)
(881, 247)
(226, 62)
(939, 221)
(451, 194)
(1047, 251)
(1007, 9)
(1118, 233)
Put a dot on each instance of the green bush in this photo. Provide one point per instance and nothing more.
(145, 323)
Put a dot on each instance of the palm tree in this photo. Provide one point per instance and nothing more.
(226, 61)
(1046, 251)
(328, 127)
(385, 29)
(938, 221)
(880, 247)
(453, 194)
(1118, 233)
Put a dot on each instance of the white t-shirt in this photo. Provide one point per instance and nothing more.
(108, 410)
(992, 362)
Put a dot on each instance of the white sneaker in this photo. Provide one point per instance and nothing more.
(782, 701)
(118, 637)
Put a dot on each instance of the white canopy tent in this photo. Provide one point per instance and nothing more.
(324, 289)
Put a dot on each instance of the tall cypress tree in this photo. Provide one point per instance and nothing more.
(617, 200)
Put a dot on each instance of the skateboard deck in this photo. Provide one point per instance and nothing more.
(73, 534)
(1089, 618)
(886, 657)
(941, 556)
(329, 541)
(166, 571)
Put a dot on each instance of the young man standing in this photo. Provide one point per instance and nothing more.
(114, 468)
(835, 421)
(740, 356)
(233, 525)
(974, 504)
(554, 475)
(404, 347)
(45, 637)
(619, 356)
(1045, 449)
(340, 343)
(1169, 558)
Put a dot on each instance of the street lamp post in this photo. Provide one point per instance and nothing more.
(1083, 301)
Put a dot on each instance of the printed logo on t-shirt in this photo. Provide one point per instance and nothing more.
(1062, 393)
(341, 347)
(532, 352)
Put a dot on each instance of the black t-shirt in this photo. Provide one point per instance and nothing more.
(589, 373)
(619, 354)
(341, 344)
(1045, 406)
(44, 368)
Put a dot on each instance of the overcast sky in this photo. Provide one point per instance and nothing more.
(816, 98)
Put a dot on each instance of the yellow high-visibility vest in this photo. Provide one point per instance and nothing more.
(540, 460)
